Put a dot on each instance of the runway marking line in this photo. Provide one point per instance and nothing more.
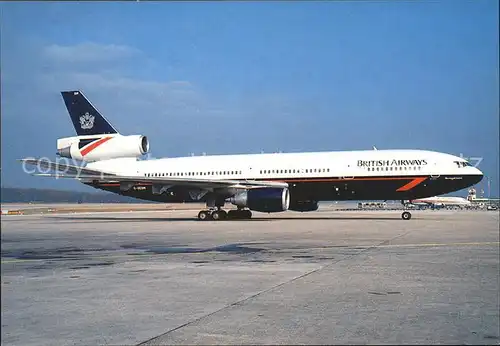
(154, 339)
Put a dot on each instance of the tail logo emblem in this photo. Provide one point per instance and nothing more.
(87, 121)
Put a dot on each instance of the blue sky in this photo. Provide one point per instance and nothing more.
(243, 77)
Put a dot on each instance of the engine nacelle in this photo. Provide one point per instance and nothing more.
(304, 206)
(266, 199)
(102, 147)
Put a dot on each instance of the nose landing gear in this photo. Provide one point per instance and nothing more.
(406, 215)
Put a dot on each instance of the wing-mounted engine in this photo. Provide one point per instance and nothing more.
(102, 147)
(267, 200)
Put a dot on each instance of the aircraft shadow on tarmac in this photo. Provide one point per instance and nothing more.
(177, 219)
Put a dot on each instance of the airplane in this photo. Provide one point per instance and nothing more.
(270, 182)
(441, 201)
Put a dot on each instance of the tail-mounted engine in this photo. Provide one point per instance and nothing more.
(102, 147)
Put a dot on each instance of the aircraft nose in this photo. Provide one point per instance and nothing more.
(477, 174)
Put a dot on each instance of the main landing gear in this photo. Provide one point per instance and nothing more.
(220, 214)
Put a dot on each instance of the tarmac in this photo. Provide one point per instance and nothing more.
(324, 277)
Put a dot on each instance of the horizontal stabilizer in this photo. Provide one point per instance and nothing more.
(75, 171)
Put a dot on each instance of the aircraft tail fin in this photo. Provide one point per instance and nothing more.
(85, 117)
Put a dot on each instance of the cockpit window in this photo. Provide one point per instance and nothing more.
(461, 164)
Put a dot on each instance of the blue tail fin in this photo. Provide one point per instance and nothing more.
(85, 117)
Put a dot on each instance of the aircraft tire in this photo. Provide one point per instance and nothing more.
(239, 214)
(232, 214)
(406, 215)
(204, 215)
(219, 215)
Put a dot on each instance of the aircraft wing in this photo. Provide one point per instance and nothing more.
(75, 172)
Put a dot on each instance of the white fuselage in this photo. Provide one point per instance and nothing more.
(341, 164)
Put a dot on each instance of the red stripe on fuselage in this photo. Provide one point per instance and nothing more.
(411, 184)
(414, 181)
(94, 145)
(325, 180)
